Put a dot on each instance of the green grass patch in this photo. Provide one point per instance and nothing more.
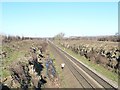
(100, 69)
(4, 73)
(12, 56)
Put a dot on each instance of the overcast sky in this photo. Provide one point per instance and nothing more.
(46, 19)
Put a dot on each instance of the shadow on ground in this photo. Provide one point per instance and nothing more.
(4, 87)
(38, 67)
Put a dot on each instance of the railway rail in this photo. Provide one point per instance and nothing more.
(86, 77)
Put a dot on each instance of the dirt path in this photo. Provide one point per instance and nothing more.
(66, 78)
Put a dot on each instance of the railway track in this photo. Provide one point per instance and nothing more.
(86, 77)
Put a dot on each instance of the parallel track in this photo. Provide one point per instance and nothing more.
(76, 68)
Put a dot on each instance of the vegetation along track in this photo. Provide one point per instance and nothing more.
(86, 77)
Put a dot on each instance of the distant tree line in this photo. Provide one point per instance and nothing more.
(114, 38)
(16, 38)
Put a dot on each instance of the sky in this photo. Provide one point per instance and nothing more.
(47, 19)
